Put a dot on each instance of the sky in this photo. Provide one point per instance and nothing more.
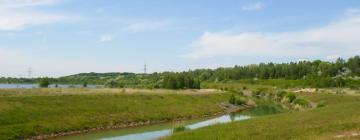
(62, 37)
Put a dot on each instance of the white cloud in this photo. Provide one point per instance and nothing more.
(11, 20)
(339, 38)
(106, 38)
(352, 11)
(147, 26)
(16, 15)
(25, 3)
(254, 6)
(333, 57)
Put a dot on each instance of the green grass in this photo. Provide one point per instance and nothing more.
(342, 115)
(24, 115)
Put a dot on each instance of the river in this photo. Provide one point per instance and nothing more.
(152, 132)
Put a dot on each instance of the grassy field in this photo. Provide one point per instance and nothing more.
(339, 118)
(26, 113)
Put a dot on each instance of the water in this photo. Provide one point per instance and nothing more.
(153, 131)
(12, 86)
(30, 86)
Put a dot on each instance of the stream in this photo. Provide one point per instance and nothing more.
(152, 132)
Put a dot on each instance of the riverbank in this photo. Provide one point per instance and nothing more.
(134, 125)
(337, 117)
(28, 114)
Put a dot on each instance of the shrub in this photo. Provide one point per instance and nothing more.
(236, 100)
(179, 129)
(111, 84)
(44, 82)
(302, 102)
(85, 84)
(241, 93)
(257, 94)
(291, 97)
(232, 99)
(240, 101)
(280, 94)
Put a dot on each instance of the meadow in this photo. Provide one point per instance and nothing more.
(26, 113)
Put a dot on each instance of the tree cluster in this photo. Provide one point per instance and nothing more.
(180, 81)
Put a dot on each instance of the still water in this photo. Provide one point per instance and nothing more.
(153, 131)
(30, 86)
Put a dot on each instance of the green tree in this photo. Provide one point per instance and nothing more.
(44, 82)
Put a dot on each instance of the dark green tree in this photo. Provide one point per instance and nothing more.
(44, 82)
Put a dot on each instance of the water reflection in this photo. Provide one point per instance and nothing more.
(154, 131)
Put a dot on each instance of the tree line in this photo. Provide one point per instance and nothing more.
(316, 73)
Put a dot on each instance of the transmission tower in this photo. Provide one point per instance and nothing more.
(145, 69)
(29, 72)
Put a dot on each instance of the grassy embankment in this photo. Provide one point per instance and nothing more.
(281, 83)
(27, 113)
(337, 117)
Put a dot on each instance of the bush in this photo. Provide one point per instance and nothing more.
(281, 94)
(240, 93)
(44, 82)
(113, 84)
(236, 100)
(302, 102)
(232, 99)
(179, 129)
(85, 84)
(291, 97)
(240, 101)
(257, 94)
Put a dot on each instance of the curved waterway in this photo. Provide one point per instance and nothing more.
(152, 132)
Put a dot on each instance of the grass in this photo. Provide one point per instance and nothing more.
(341, 116)
(26, 113)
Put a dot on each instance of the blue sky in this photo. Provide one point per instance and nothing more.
(61, 37)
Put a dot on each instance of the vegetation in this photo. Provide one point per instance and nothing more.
(302, 102)
(339, 119)
(44, 82)
(26, 113)
(237, 100)
(291, 97)
(179, 129)
(180, 81)
(341, 73)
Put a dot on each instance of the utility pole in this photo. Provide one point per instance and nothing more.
(145, 69)
(29, 72)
